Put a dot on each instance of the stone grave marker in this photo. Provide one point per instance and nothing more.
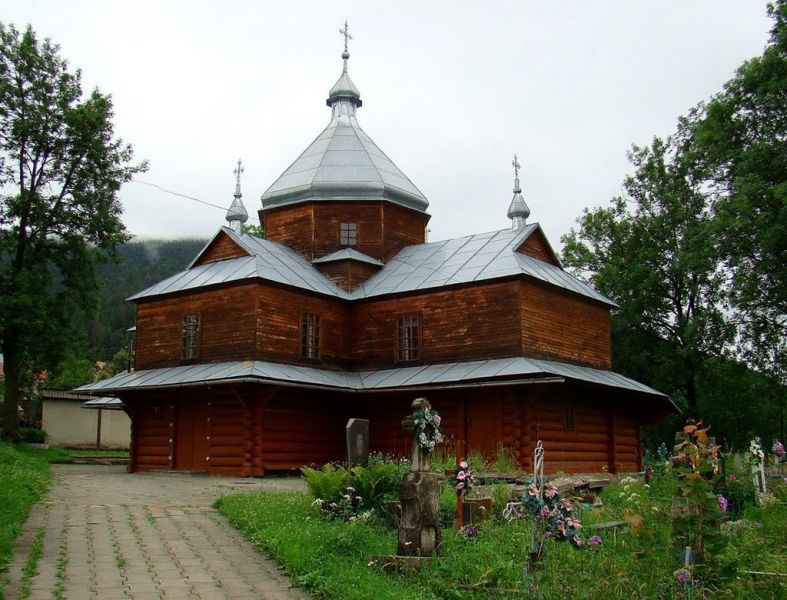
(357, 433)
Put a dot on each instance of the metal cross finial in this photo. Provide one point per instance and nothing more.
(345, 31)
(516, 165)
(238, 170)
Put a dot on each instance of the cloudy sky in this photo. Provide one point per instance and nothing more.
(451, 91)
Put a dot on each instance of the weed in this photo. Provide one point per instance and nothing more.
(31, 566)
(505, 460)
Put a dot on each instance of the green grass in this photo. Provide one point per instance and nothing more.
(78, 452)
(330, 558)
(31, 566)
(24, 478)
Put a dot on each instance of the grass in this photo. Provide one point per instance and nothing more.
(24, 478)
(330, 558)
(31, 566)
(79, 452)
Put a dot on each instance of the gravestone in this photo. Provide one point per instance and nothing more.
(357, 433)
(419, 494)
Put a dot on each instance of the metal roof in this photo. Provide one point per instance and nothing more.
(343, 163)
(105, 403)
(463, 260)
(348, 254)
(435, 376)
(481, 257)
(267, 260)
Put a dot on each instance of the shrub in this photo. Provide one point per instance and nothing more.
(31, 435)
(327, 483)
(376, 483)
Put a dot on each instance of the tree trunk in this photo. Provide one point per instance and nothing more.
(11, 391)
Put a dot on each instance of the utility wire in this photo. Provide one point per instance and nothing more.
(158, 187)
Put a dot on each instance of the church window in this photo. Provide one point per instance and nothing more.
(408, 338)
(310, 336)
(348, 234)
(569, 416)
(189, 336)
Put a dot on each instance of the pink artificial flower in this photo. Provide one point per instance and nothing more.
(549, 534)
(578, 540)
(560, 526)
(550, 490)
(463, 465)
(544, 512)
(532, 489)
(461, 475)
(595, 540)
(574, 523)
(723, 503)
(566, 505)
(436, 420)
(732, 477)
(778, 449)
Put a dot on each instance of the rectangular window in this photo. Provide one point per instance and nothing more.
(569, 416)
(408, 338)
(189, 337)
(310, 336)
(348, 235)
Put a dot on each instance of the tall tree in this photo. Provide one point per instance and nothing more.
(651, 251)
(740, 140)
(60, 170)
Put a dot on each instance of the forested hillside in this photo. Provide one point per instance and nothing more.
(143, 263)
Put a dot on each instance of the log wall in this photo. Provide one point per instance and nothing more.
(347, 274)
(221, 248)
(459, 324)
(312, 228)
(152, 431)
(227, 326)
(559, 325)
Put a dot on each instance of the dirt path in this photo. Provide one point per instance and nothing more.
(107, 534)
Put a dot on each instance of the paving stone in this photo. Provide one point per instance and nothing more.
(172, 543)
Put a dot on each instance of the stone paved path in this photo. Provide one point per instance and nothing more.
(108, 535)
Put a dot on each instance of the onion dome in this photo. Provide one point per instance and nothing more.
(343, 163)
(518, 210)
(237, 214)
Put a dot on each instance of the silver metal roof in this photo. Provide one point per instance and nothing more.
(439, 375)
(267, 260)
(343, 163)
(463, 260)
(348, 254)
(481, 257)
(105, 403)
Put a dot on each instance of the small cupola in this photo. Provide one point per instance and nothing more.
(344, 90)
(237, 214)
(518, 211)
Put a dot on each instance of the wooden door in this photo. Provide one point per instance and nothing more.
(191, 444)
(482, 424)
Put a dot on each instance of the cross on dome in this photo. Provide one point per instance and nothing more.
(345, 31)
(516, 165)
(237, 214)
(238, 171)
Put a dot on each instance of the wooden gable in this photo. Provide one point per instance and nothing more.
(220, 247)
(537, 246)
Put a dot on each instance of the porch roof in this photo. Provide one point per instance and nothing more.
(498, 371)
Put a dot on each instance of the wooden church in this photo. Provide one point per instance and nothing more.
(254, 358)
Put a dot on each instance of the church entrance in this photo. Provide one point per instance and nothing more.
(482, 419)
(191, 426)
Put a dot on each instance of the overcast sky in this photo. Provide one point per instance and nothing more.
(451, 90)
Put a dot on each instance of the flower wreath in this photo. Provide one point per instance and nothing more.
(464, 479)
(556, 513)
(756, 453)
(427, 432)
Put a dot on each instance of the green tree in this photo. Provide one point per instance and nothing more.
(740, 140)
(60, 169)
(652, 252)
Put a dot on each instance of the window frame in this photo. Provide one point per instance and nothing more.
(190, 336)
(348, 234)
(310, 336)
(404, 349)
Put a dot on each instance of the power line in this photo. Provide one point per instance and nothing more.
(187, 197)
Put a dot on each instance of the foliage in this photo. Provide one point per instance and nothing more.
(24, 477)
(60, 170)
(505, 461)
(332, 559)
(739, 139)
(255, 230)
(72, 371)
(328, 482)
(349, 507)
(32, 435)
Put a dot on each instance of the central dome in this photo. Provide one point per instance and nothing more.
(343, 163)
